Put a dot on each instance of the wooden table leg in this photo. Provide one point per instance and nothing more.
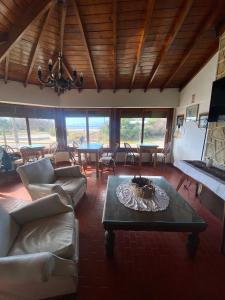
(79, 157)
(180, 182)
(109, 242)
(192, 244)
(140, 159)
(155, 159)
(42, 153)
(97, 164)
(223, 231)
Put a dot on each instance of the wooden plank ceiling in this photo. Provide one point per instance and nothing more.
(117, 44)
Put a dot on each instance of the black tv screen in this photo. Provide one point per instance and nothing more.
(217, 105)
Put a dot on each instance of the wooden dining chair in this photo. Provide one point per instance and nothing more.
(75, 157)
(51, 151)
(166, 151)
(130, 154)
(29, 155)
(107, 160)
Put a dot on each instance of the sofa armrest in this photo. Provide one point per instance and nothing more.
(71, 171)
(41, 208)
(37, 267)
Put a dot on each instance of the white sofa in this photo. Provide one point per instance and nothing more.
(38, 250)
(41, 179)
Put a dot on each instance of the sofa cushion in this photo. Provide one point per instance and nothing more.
(8, 231)
(54, 234)
(71, 185)
(40, 171)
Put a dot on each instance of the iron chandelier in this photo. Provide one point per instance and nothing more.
(57, 79)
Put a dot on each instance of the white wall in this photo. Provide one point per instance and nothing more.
(122, 98)
(15, 92)
(190, 144)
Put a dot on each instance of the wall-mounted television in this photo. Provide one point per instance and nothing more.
(217, 105)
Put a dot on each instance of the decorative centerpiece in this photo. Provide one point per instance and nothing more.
(142, 194)
(143, 187)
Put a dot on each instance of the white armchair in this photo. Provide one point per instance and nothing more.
(38, 250)
(41, 179)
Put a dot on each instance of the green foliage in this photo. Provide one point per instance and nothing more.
(130, 129)
(5, 125)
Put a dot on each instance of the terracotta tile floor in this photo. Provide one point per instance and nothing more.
(146, 265)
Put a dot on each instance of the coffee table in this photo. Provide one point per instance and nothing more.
(178, 217)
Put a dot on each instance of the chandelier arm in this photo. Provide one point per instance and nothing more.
(44, 82)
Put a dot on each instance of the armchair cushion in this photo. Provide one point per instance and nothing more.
(52, 234)
(35, 267)
(41, 172)
(71, 185)
(41, 190)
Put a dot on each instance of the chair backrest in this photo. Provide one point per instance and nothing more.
(40, 171)
(62, 156)
(75, 144)
(28, 153)
(8, 148)
(8, 231)
(53, 148)
(128, 148)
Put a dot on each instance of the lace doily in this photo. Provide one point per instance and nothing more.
(128, 198)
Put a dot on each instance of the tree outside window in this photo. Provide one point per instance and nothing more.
(154, 131)
(130, 131)
(13, 132)
(42, 131)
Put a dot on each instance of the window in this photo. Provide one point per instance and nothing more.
(42, 131)
(13, 132)
(99, 130)
(130, 131)
(76, 130)
(155, 131)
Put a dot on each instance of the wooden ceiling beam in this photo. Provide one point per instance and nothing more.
(62, 24)
(114, 17)
(6, 68)
(148, 17)
(183, 12)
(37, 45)
(195, 71)
(67, 69)
(204, 26)
(33, 12)
(4, 36)
(220, 28)
(85, 42)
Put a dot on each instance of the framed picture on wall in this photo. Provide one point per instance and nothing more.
(180, 121)
(192, 112)
(203, 120)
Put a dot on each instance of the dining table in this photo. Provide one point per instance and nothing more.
(148, 148)
(90, 148)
